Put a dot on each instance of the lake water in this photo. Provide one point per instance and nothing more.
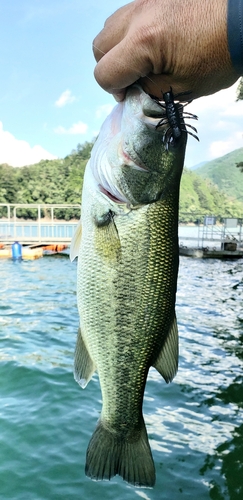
(195, 424)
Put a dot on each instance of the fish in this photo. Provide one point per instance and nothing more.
(128, 257)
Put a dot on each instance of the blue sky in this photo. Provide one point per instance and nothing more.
(49, 99)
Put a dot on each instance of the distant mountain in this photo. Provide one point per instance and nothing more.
(60, 181)
(200, 196)
(198, 165)
(224, 173)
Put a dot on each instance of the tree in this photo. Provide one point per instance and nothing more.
(239, 91)
(240, 166)
(83, 150)
(239, 97)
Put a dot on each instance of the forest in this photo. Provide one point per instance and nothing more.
(47, 182)
(60, 182)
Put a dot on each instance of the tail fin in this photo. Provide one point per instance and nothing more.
(108, 455)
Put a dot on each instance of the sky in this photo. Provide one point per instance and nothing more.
(49, 99)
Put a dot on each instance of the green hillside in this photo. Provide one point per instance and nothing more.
(49, 181)
(224, 173)
(60, 181)
(201, 196)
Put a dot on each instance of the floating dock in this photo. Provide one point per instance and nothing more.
(216, 241)
(33, 252)
(207, 253)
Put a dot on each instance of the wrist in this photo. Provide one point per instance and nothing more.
(235, 34)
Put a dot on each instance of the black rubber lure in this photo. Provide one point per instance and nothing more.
(174, 117)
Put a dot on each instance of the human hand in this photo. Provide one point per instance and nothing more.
(165, 43)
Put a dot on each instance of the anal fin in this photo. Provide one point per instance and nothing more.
(84, 366)
(167, 361)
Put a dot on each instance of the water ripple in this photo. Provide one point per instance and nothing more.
(195, 424)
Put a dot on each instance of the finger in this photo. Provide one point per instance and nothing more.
(121, 67)
(113, 32)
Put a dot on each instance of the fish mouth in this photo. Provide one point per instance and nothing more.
(109, 194)
(154, 115)
(110, 189)
(127, 141)
(151, 112)
(135, 163)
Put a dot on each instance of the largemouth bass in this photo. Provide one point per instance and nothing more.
(127, 279)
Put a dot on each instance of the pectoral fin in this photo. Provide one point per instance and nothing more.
(84, 366)
(107, 241)
(75, 243)
(167, 361)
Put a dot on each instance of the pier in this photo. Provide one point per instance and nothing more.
(45, 233)
(213, 237)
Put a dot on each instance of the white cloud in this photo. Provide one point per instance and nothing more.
(221, 148)
(76, 129)
(219, 125)
(222, 125)
(234, 110)
(18, 153)
(212, 107)
(65, 98)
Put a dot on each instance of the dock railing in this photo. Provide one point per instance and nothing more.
(43, 228)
